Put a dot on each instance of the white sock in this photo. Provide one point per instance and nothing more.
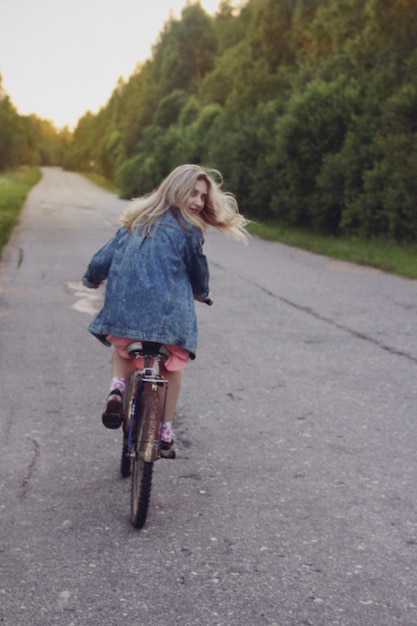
(166, 432)
(117, 382)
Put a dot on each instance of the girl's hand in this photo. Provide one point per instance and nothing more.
(206, 300)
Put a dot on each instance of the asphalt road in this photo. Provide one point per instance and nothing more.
(293, 498)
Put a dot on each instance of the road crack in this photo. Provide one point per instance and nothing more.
(331, 322)
(26, 481)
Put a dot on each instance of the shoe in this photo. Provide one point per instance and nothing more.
(113, 411)
(167, 449)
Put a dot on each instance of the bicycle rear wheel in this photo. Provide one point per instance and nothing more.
(142, 470)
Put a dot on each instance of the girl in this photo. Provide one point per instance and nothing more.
(155, 269)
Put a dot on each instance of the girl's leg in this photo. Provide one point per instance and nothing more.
(174, 387)
(120, 367)
(121, 370)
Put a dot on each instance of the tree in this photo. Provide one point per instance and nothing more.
(185, 51)
(27, 140)
(11, 132)
(307, 107)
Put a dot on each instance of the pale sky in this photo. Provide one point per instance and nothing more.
(60, 58)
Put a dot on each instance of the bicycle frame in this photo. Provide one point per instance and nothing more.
(147, 377)
(144, 411)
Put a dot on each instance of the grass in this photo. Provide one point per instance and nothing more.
(14, 188)
(99, 180)
(380, 253)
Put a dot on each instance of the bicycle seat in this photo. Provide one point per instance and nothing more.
(147, 348)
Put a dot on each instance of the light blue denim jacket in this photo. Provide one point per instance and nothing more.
(152, 281)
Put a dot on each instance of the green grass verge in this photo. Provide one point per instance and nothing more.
(379, 253)
(14, 188)
(99, 180)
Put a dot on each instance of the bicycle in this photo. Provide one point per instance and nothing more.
(143, 418)
(143, 415)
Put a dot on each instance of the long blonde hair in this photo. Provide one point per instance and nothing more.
(220, 211)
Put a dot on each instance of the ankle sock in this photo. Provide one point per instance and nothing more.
(117, 382)
(166, 432)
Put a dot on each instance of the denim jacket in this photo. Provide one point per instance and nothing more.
(152, 281)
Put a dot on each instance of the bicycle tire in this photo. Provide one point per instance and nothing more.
(125, 461)
(141, 470)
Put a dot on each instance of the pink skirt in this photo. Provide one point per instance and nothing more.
(177, 360)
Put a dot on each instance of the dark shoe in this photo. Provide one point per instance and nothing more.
(113, 411)
(167, 449)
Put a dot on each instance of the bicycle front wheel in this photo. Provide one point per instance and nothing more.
(141, 470)
(128, 411)
(125, 461)
(141, 492)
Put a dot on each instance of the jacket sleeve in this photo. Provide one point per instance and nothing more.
(99, 266)
(198, 270)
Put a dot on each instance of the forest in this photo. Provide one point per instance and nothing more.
(307, 107)
(28, 139)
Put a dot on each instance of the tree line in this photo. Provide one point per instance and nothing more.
(28, 139)
(307, 107)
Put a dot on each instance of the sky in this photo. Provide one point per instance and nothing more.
(61, 58)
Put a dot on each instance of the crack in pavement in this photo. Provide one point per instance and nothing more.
(25, 485)
(351, 331)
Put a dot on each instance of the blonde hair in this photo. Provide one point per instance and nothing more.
(220, 211)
